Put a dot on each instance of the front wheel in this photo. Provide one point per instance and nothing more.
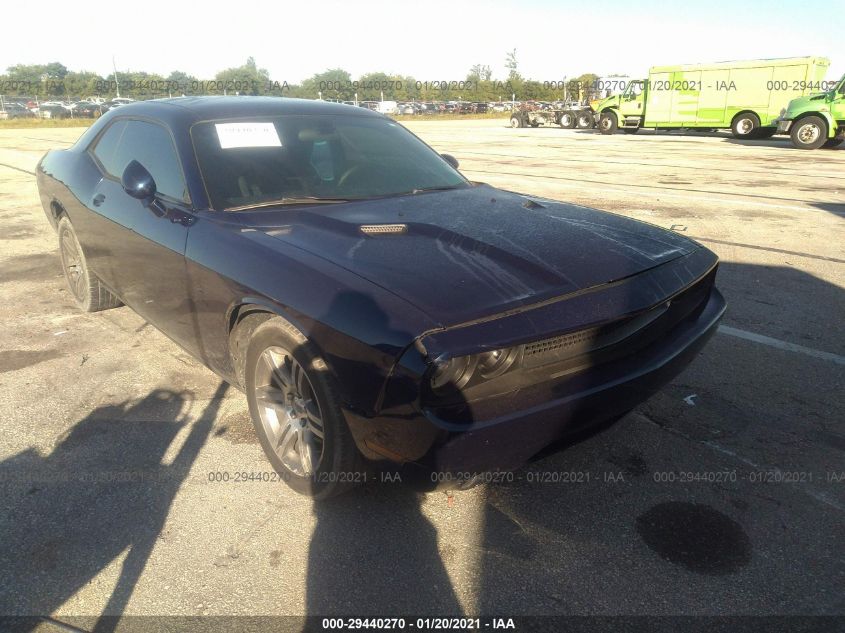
(608, 123)
(833, 142)
(809, 133)
(296, 412)
(745, 125)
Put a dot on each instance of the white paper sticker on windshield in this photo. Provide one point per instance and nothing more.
(247, 134)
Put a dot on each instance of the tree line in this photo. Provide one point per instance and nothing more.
(56, 81)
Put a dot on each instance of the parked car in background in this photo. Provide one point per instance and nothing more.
(387, 107)
(53, 110)
(115, 103)
(87, 110)
(350, 280)
(15, 110)
(479, 108)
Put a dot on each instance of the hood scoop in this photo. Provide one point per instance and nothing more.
(383, 229)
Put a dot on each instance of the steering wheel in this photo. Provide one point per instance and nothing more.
(355, 169)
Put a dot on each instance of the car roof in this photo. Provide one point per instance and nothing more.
(189, 110)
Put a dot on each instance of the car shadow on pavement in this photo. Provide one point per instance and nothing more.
(102, 493)
(373, 552)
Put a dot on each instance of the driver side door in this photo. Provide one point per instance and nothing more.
(146, 259)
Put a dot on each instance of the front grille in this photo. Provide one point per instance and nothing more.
(636, 331)
(563, 343)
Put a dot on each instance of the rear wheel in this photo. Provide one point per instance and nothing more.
(85, 287)
(296, 412)
(608, 123)
(567, 120)
(745, 125)
(585, 121)
(809, 132)
(833, 142)
(516, 121)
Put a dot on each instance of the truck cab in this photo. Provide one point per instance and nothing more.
(622, 111)
(816, 120)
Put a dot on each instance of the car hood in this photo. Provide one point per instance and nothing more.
(467, 253)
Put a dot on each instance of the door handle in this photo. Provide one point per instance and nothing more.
(98, 199)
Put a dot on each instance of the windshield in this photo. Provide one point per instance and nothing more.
(294, 157)
(634, 90)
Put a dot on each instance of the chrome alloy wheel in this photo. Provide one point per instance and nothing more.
(289, 411)
(72, 262)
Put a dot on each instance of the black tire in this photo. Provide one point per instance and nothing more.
(608, 122)
(567, 120)
(809, 132)
(516, 121)
(534, 123)
(833, 142)
(585, 121)
(339, 466)
(85, 288)
(745, 125)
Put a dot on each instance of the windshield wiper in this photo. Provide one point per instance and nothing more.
(280, 202)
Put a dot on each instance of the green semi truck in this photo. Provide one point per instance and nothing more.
(746, 97)
(816, 120)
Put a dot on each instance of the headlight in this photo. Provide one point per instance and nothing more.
(497, 362)
(462, 371)
(454, 373)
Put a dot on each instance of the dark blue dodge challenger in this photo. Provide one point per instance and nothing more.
(374, 305)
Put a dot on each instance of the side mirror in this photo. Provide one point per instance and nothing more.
(451, 160)
(138, 182)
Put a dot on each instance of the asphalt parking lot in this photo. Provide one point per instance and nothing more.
(723, 494)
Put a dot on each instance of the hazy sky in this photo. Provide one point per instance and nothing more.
(430, 40)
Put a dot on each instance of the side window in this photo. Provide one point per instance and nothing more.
(150, 144)
(106, 147)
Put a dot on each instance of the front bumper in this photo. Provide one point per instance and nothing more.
(587, 399)
(783, 125)
(511, 436)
